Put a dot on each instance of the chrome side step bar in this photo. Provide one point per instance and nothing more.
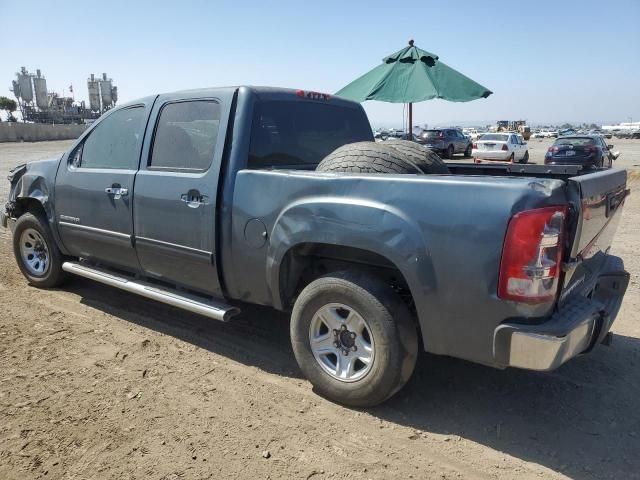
(191, 303)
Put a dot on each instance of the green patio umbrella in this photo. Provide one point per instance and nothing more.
(413, 75)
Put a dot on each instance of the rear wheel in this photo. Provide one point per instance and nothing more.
(467, 152)
(353, 338)
(450, 152)
(36, 252)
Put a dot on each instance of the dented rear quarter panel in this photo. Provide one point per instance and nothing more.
(444, 233)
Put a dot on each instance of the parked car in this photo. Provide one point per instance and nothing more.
(471, 133)
(567, 132)
(380, 135)
(503, 147)
(587, 150)
(212, 199)
(446, 141)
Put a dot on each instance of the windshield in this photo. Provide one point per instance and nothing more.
(292, 133)
(576, 142)
(495, 137)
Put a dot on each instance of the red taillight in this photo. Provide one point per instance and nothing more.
(531, 255)
(553, 149)
(475, 145)
(505, 148)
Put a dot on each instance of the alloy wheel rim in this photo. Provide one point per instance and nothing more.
(34, 252)
(342, 342)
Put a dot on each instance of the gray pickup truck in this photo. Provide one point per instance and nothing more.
(211, 199)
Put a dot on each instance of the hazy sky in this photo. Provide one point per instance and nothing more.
(545, 61)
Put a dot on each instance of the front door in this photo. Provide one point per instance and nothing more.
(94, 186)
(176, 189)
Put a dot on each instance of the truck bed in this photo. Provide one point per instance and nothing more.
(444, 233)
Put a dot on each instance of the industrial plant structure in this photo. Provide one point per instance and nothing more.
(38, 105)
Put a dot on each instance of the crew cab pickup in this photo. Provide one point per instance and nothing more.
(212, 199)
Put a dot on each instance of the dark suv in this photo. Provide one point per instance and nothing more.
(446, 141)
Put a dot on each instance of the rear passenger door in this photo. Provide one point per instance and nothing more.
(515, 147)
(176, 189)
(460, 141)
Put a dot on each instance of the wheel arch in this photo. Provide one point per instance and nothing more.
(31, 192)
(314, 237)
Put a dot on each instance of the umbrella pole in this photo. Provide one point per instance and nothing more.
(410, 136)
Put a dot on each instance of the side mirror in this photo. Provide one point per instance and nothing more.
(616, 155)
(610, 147)
(524, 143)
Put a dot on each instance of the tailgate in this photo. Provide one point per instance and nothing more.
(599, 197)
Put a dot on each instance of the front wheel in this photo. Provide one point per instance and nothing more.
(353, 338)
(36, 252)
(525, 158)
(467, 152)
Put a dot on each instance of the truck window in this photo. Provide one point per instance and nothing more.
(185, 136)
(114, 143)
(294, 134)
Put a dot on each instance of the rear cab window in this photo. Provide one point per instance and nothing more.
(299, 134)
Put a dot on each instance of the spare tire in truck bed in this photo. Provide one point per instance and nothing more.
(427, 160)
(374, 157)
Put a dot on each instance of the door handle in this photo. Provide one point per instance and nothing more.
(193, 199)
(117, 192)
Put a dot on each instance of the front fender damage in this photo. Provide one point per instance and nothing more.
(31, 181)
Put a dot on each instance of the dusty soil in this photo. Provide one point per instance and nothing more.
(98, 383)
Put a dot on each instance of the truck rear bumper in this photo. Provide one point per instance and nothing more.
(575, 328)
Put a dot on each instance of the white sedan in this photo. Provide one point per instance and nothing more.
(501, 147)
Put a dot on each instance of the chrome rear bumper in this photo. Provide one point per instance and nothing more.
(576, 328)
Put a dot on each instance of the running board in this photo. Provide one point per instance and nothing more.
(191, 303)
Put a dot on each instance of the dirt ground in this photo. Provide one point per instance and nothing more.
(96, 383)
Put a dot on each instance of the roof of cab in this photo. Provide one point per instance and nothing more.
(272, 93)
(263, 93)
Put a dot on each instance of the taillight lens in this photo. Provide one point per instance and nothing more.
(505, 148)
(532, 255)
(475, 145)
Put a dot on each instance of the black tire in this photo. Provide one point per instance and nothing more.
(53, 275)
(366, 157)
(392, 329)
(467, 151)
(450, 152)
(426, 160)
(511, 158)
(525, 158)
